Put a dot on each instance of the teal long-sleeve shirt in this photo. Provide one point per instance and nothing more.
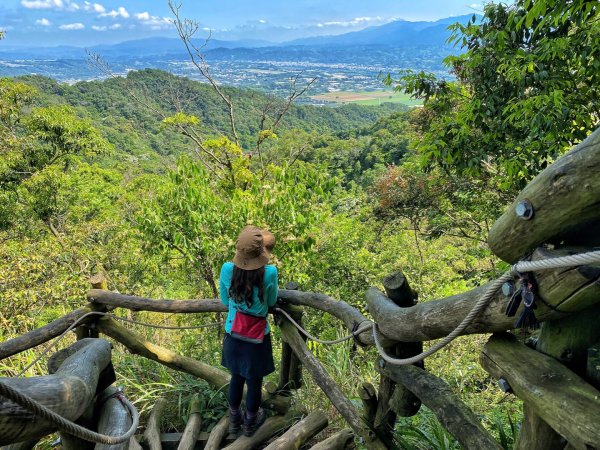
(270, 288)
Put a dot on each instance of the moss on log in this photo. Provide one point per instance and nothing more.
(565, 197)
(561, 398)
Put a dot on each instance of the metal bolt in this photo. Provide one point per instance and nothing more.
(508, 288)
(504, 386)
(524, 209)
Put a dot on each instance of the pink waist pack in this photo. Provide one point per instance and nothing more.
(249, 327)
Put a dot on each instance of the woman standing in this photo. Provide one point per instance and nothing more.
(248, 287)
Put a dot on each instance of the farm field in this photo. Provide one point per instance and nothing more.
(367, 98)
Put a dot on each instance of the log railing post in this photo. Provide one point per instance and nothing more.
(405, 403)
(98, 281)
(290, 375)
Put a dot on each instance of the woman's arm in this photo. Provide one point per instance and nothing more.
(271, 285)
(223, 285)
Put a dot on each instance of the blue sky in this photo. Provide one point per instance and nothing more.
(81, 23)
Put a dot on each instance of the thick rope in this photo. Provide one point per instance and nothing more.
(360, 329)
(483, 302)
(66, 425)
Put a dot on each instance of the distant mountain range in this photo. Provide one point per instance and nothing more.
(399, 34)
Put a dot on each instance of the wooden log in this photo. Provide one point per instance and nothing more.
(593, 365)
(347, 314)
(152, 434)
(564, 196)
(328, 386)
(452, 413)
(113, 419)
(217, 434)
(568, 339)
(350, 316)
(368, 396)
(568, 290)
(192, 428)
(284, 368)
(68, 392)
(271, 427)
(26, 445)
(338, 441)
(134, 303)
(301, 432)
(535, 434)
(562, 399)
(217, 378)
(399, 291)
(134, 444)
(295, 368)
(43, 334)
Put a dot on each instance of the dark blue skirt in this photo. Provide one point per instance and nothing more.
(247, 359)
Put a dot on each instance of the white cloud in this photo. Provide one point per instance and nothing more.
(262, 21)
(475, 5)
(99, 28)
(6, 28)
(143, 16)
(42, 4)
(72, 26)
(120, 12)
(94, 7)
(44, 22)
(116, 26)
(155, 22)
(356, 21)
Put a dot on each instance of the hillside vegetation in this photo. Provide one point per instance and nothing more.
(145, 180)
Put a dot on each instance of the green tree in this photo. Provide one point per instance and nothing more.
(525, 90)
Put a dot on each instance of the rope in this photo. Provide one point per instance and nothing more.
(316, 339)
(66, 425)
(483, 302)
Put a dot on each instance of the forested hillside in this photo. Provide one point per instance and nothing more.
(147, 180)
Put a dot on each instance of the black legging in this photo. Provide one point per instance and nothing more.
(253, 394)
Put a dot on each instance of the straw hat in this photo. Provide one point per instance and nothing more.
(250, 249)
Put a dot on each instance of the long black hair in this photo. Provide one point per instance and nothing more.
(243, 282)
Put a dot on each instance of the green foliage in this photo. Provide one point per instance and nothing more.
(198, 217)
(525, 90)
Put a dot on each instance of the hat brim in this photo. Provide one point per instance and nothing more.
(243, 262)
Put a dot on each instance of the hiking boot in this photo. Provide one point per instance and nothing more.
(235, 422)
(252, 424)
